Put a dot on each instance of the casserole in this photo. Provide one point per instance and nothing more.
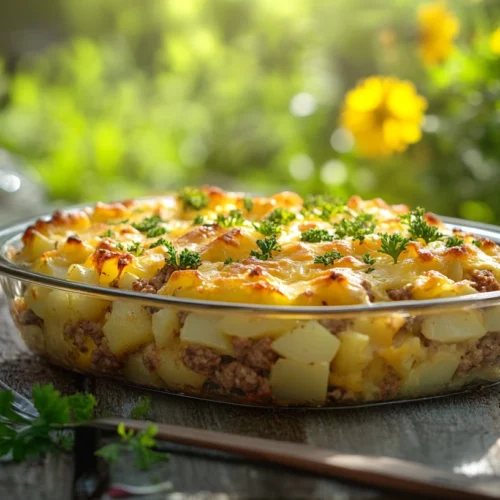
(273, 301)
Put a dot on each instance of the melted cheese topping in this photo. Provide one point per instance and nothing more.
(97, 239)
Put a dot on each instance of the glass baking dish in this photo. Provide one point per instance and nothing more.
(331, 356)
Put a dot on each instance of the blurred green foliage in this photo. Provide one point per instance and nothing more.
(140, 97)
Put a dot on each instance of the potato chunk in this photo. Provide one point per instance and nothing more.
(205, 330)
(455, 327)
(296, 382)
(175, 373)
(128, 327)
(248, 327)
(380, 329)
(492, 319)
(308, 342)
(165, 325)
(433, 374)
(135, 371)
(354, 353)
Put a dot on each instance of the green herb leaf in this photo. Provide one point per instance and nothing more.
(247, 203)
(108, 234)
(393, 245)
(418, 228)
(185, 260)
(82, 406)
(322, 206)
(370, 261)
(135, 247)
(111, 223)
(267, 246)
(193, 198)
(316, 235)
(357, 228)
(110, 453)
(198, 220)
(158, 243)
(454, 241)
(142, 408)
(147, 224)
(119, 246)
(281, 216)
(229, 261)
(234, 218)
(156, 231)
(478, 243)
(267, 228)
(328, 258)
(52, 407)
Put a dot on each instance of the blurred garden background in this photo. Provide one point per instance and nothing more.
(391, 98)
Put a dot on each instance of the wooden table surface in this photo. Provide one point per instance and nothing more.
(459, 433)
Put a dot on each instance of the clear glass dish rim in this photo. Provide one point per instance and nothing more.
(11, 270)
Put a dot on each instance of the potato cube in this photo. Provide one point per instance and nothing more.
(248, 327)
(126, 280)
(77, 272)
(165, 325)
(308, 342)
(433, 374)
(455, 327)
(297, 383)
(175, 373)
(354, 353)
(135, 371)
(380, 329)
(403, 357)
(128, 327)
(492, 319)
(36, 297)
(205, 330)
(40, 244)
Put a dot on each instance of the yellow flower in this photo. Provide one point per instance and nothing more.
(495, 42)
(437, 30)
(384, 115)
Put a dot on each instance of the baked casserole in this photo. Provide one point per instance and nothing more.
(281, 251)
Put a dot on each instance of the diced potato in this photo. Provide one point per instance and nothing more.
(380, 329)
(109, 271)
(248, 327)
(83, 359)
(354, 353)
(57, 314)
(165, 325)
(492, 319)
(296, 382)
(126, 280)
(175, 373)
(433, 374)
(135, 371)
(40, 244)
(454, 327)
(33, 337)
(128, 327)
(308, 342)
(205, 330)
(88, 307)
(77, 272)
(36, 297)
(403, 357)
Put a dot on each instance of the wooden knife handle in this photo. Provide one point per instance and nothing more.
(379, 471)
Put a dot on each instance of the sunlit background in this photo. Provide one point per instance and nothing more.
(111, 99)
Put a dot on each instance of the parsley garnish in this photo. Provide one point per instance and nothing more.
(418, 227)
(156, 231)
(120, 246)
(358, 228)
(124, 221)
(198, 220)
(369, 261)
(234, 218)
(316, 235)
(142, 408)
(229, 260)
(454, 241)
(134, 247)
(26, 438)
(281, 216)
(247, 203)
(185, 260)
(322, 206)
(393, 245)
(158, 243)
(268, 228)
(328, 259)
(147, 224)
(139, 444)
(478, 243)
(107, 234)
(193, 198)
(267, 246)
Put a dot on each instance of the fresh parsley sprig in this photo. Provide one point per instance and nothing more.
(141, 444)
(370, 261)
(134, 247)
(393, 245)
(234, 218)
(247, 203)
(477, 243)
(142, 408)
(267, 228)
(281, 216)
(22, 438)
(328, 258)
(185, 260)
(357, 228)
(266, 246)
(453, 241)
(322, 206)
(198, 220)
(193, 198)
(418, 228)
(107, 234)
(316, 235)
